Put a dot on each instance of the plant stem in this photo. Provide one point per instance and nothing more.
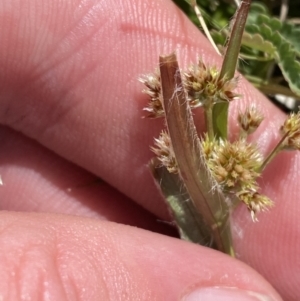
(234, 42)
(208, 112)
(273, 153)
(203, 24)
(220, 111)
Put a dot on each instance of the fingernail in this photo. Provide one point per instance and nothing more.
(224, 294)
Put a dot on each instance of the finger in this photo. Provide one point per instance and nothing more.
(79, 117)
(68, 258)
(35, 179)
(272, 245)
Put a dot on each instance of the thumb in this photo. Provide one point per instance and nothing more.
(59, 257)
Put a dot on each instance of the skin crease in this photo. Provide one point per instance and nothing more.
(70, 109)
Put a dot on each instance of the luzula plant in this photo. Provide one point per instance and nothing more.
(204, 178)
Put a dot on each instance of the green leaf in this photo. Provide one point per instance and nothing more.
(188, 220)
(289, 66)
(220, 119)
(256, 41)
(280, 41)
(256, 10)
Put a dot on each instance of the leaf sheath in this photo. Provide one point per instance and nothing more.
(202, 189)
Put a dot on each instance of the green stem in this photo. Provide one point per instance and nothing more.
(203, 24)
(234, 42)
(208, 111)
(273, 153)
(271, 88)
(220, 111)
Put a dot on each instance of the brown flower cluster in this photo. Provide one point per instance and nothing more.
(255, 202)
(164, 151)
(202, 84)
(205, 87)
(249, 120)
(235, 166)
(291, 131)
(153, 90)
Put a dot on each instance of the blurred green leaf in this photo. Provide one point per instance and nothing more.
(188, 220)
(278, 39)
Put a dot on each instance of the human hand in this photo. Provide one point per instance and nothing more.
(70, 109)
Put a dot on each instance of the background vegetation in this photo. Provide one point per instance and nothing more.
(270, 48)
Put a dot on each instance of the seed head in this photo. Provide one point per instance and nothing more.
(255, 202)
(153, 90)
(164, 151)
(234, 165)
(204, 85)
(250, 119)
(291, 129)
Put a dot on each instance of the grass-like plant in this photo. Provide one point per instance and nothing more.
(203, 178)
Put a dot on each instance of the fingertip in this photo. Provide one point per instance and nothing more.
(70, 257)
